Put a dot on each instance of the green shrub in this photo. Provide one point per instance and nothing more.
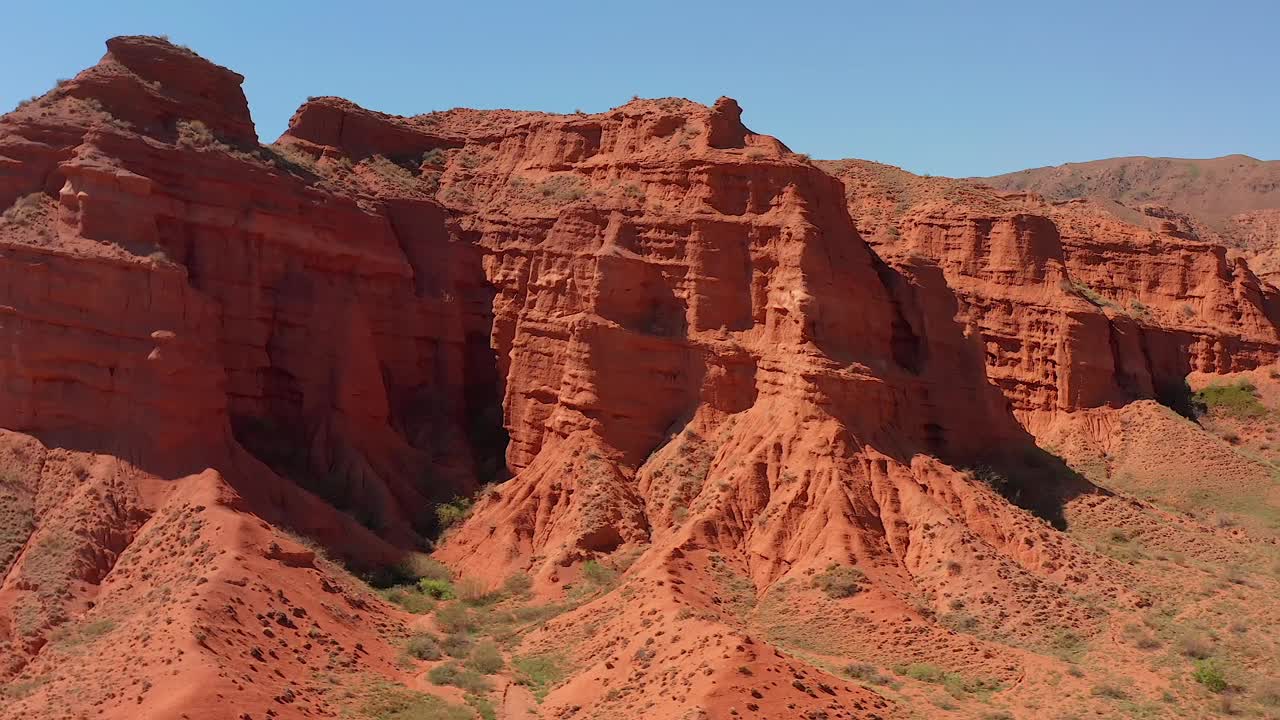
(960, 622)
(924, 672)
(1237, 399)
(409, 569)
(532, 613)
(840, 581)
(539, 673)
(486, 658)
(436, 156)
(483, 707)
(1067, 644)
(390, 702)
(1208, 674)
(456, 618)
(453, 673)
(453, 512)
(457, 645)
(958, 686)
(424, 647)
(195, 134)
(867, 673)
(955, 684)
(411, 599)
(438, 589)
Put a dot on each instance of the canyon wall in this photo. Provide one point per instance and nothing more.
(655, 332)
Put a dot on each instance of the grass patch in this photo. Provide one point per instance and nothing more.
(1067, 644)
(410, 598)
(84, 634)
(457, 645)
(840, 581)
(455, 674)
(955, 684)
(540, 673)
(424, 647)
(517, 584)
(438, 589)
(195, 134)
(1208, 674)
(485, 658)
(394, 702)
(1237, 399)
(456, 618)
(453, 512)
(483, 707)
(736, 590)
(867, 673)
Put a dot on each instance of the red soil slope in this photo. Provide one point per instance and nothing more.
(726, 396)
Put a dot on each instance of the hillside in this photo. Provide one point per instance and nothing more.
(506, 414)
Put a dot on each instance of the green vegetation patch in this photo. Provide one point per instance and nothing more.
(1208, 674)
(540, 673)
(455, 674)
(394, 702)
(453, 512)
(424, 647)
(955, 684)
(840, 581)
(1237, 399)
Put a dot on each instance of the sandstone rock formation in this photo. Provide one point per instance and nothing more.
(1232, 200)
(730, 374)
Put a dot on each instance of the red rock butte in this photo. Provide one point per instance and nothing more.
(693, 380)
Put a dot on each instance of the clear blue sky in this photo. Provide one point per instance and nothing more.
(947, 88)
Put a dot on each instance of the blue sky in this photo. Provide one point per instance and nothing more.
(947, 88)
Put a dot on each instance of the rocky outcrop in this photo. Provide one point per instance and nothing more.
(1075, 309)
(235, 294)
(664, 337)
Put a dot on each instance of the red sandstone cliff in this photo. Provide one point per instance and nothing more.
(668, 337)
